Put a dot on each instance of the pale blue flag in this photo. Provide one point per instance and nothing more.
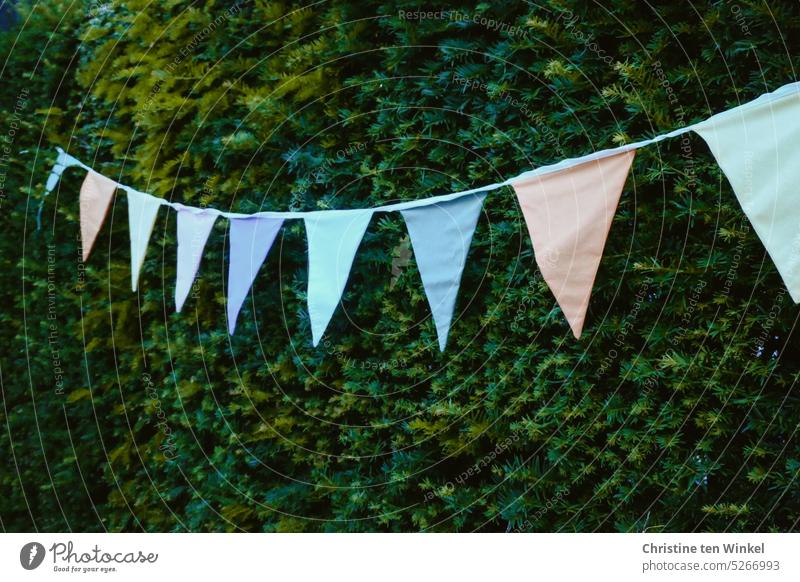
(63, 161)
(333, 239)
(440, 236)
(193, 231)
(250, 239)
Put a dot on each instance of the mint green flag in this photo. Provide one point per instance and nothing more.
(333, 239)
(757, 145)
(440, 236)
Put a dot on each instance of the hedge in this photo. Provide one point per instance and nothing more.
(677, 411)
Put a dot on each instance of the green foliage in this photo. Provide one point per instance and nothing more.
(678, 410)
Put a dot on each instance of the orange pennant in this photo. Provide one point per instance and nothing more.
(569, 214)
(96, 194)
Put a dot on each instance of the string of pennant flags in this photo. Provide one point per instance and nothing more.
(568, 209)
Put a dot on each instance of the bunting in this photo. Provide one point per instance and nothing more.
(568, 208)
(569, 214)
(440, 237)
(251, 240)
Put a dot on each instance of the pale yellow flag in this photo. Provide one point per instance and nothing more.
(757, 145)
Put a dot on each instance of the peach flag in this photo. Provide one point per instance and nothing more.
(96, 194)
(569, 214)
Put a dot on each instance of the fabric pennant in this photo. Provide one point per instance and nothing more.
(142, 212)
(96, 194)
(63, 161)
(333, 238)
(440, 237)
(569, 214)
(757, 145)
(250, 240)
(193, 231)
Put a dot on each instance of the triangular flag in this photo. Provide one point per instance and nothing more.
(333, 238)
(757, 145)
(95, 198)
(569, 214)
(193, 231)
(440, 236)
(250, 239)
(142, 211)
(63, 161)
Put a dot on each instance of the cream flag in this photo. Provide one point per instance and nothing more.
(95, 198)
(569, 214)
(142, 212)
(757, 145)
